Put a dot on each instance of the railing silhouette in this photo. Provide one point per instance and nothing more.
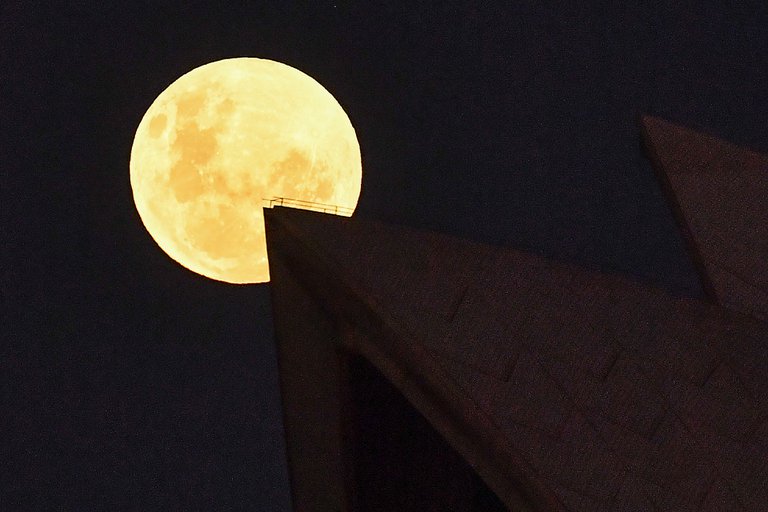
(310, 205)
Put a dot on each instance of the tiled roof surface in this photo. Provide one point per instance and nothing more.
(605, 394)
(720, 194)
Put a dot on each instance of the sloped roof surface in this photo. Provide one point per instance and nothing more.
(603, 393)
(720, 193)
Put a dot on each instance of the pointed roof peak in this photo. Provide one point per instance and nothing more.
(717, 191)
(564, 388)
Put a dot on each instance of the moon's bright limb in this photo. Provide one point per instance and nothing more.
(221, 139)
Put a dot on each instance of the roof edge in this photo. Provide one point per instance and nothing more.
(692, 247)
(431, 391)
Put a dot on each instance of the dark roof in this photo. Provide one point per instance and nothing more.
(567, 388)
(719, 192)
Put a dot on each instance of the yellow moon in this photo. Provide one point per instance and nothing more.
(223, 138)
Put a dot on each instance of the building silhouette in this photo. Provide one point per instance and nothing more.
(424, 372)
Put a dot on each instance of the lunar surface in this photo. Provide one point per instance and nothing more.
(222, 139)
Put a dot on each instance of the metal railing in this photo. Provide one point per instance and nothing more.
(309, 205)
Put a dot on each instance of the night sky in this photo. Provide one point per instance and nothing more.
(130, 383)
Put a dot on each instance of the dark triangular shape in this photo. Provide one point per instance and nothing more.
(566, 389)
(720, 195)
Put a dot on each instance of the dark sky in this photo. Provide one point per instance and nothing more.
(129, 383)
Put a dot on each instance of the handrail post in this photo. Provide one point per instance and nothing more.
(311, 205)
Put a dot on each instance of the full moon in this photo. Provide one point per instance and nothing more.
(224, 138)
